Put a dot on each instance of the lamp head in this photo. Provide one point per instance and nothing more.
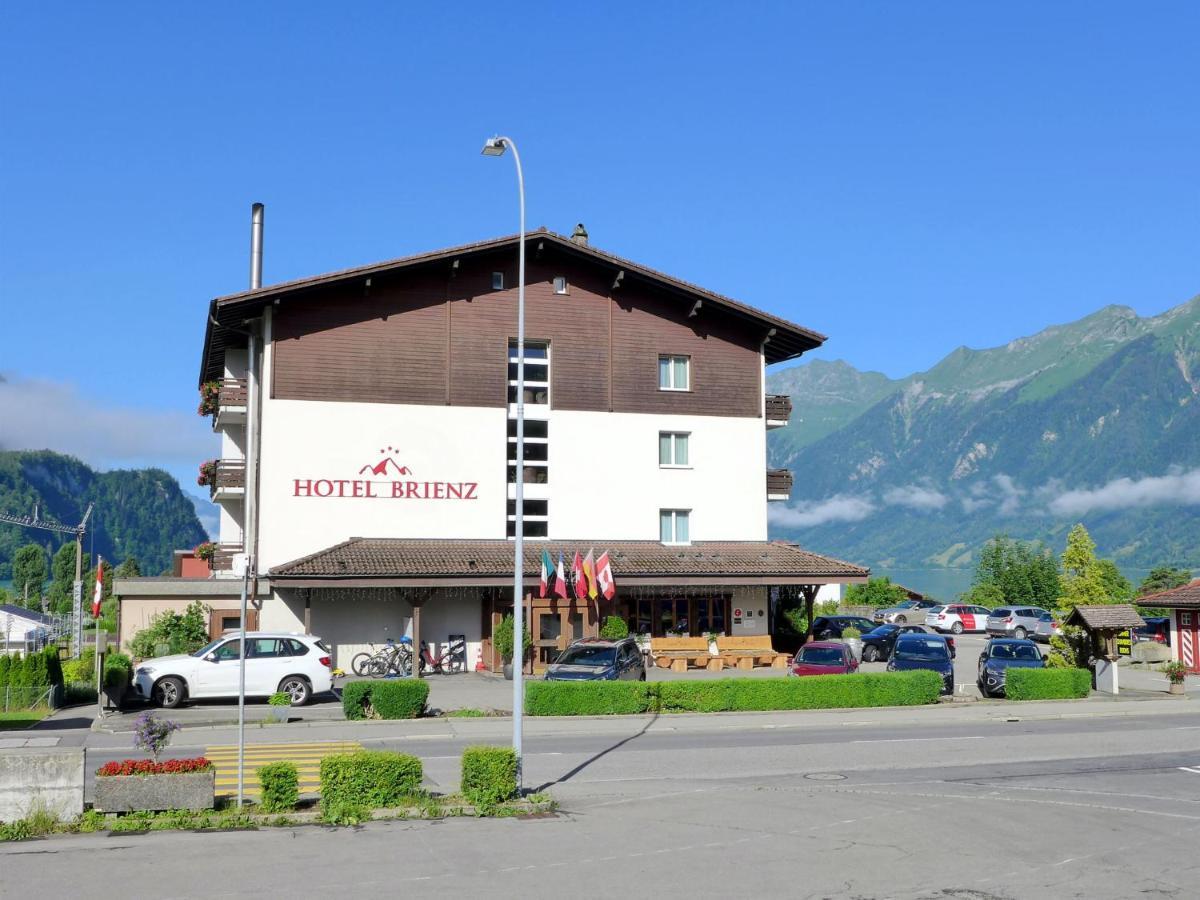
(493, 147)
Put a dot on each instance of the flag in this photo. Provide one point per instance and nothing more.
(560, 579)
(589, 570)
(578, 577)
(604, 576)
(99, 594)
(547, 568)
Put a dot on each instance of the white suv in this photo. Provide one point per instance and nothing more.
(296, 664)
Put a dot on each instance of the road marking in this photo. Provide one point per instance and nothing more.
(306, 756)
(1190, 769)
(973, 737)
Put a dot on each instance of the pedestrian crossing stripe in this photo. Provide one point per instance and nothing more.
(307, 758)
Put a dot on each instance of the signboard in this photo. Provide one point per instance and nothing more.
(1124, 643)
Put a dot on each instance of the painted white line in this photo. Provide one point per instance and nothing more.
(973, 737)
(1190, 769)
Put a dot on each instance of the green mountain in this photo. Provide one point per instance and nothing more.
(1095, 421)
(140, 513)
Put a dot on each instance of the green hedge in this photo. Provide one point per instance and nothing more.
(598, 698)
(280, 783)
(401, 699)
(1047, 684)
(118, 674)
(33, 670)
(489, 776)
(370, 778)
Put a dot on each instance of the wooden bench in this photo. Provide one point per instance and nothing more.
(677, 653)
(746, 651)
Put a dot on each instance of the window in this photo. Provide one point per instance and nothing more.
(231, 650)
(537, 373)
(673, 448)
(497, 281)
(560, 284)
(674, 373)
(673, 526)
(535, 522)
(263, 648)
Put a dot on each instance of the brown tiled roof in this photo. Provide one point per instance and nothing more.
(229, 312)
(400, 559)
(1111, 616)
(1187, 595)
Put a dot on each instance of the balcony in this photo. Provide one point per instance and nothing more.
(779, 410)
(222, 559)
(231, 403)
(779, 484)
(225, 478)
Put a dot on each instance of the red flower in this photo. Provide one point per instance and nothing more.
(150, 767)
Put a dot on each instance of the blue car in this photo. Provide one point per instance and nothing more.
(923, 651)
(1002, 654)
(599, 660)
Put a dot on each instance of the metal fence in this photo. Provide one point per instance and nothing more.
(13, 699)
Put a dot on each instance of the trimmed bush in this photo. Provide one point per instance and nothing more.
(54, 672)
(1047, 684)
(401, 699)
(280, 783)
(82, 670)
(5, 664)
(370, 778)
(489, 776)
(614, 629)
(597, 698)
(118, 674)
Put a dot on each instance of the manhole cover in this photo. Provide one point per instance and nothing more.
(825, 776)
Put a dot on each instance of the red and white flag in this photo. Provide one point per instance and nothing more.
(98, 596)
(604, 576)
(589, 570)
(560, 579)
(578, 577)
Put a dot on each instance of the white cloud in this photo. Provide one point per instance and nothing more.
(915, 496)
(1176, 488)
(1010, 494)
(47, 415)
(836, 509)
(970, 504)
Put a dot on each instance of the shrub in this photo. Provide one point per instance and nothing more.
(558, 698)
(118, 674)
(152, 734)
(280, 783)
(614, 628)
(503, 638)
(82, 670)
(182, 633)
(849, 634)
(1047, 684)
(1175, 671)
(401, 699)
(370, 778)
(75, 693)
(280, 698)
(5, 663)
(489, 776)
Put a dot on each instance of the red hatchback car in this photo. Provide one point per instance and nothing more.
(824, 658)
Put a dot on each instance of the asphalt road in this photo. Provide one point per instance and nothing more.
(730, 806)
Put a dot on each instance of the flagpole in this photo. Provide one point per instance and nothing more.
(496, 147)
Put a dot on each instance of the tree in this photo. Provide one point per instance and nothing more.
(129, 568)
(184, 633)
(29, 574)
(986, 595)
(877, 592)
(62, 577)
(1021, 572)
(1083, 580)
(1116, 585)
(1163, 578)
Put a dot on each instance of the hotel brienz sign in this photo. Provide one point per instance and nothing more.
(385, 480)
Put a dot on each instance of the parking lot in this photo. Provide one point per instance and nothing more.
(966, 663)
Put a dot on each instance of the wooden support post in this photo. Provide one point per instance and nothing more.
(416, 639)
(308, 610)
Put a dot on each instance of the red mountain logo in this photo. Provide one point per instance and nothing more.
(386, 465)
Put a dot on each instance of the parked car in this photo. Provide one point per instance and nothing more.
(1048, 626)
(1157, 628)
(958, 617)
(825, 628)
(1002, 654)
(904, 612)
(923, 651)
(824, 658)
(1014, 621)
(599, 660)
(296, 664)
(878, 643)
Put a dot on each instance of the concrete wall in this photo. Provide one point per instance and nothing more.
(37, 778)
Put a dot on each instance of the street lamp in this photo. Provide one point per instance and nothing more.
(495, 147)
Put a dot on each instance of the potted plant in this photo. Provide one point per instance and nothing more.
(712, 643)
(614, 629)
(1176, 673)
(205, 550)
(210, 393)
(277, 708)
(147, 784)
(851, 638)
(208, 473)
(505, 646)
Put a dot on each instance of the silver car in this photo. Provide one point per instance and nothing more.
(1014, 621)
(1048, 626)
(907, 611)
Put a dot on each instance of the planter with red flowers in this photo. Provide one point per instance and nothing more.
(208, 473)
(205, 550)
(210, 398)
(148, 784)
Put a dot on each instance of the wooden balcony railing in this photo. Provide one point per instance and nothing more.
(234, 392)
(779, 483)
(230, 474)
(222, 558)
(779, 409)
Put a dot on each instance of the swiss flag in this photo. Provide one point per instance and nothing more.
(604, 576)
(99, 593)
(578, 577)
(560, 579)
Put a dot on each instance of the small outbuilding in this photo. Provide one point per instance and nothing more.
(1103, 624)
(1184, 606)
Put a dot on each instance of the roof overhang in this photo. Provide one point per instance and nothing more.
(183, 587)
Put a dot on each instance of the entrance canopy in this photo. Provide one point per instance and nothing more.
(393, 562)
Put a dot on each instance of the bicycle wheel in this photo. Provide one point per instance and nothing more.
(359, 662)
(375, 667)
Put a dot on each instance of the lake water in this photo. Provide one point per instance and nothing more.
(947, 584)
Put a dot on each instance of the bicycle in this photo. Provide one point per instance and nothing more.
(395, 657)
(452, 659)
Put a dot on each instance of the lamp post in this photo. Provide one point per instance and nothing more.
(495, 147)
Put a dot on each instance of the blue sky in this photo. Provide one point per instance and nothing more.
(903, 177)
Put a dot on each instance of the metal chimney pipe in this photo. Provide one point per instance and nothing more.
(256, 245)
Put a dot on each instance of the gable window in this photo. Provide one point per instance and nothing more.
(673, 449)
(497, 281)
(673, 526)
(674, 373)
(560, 284)
(537, 372)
